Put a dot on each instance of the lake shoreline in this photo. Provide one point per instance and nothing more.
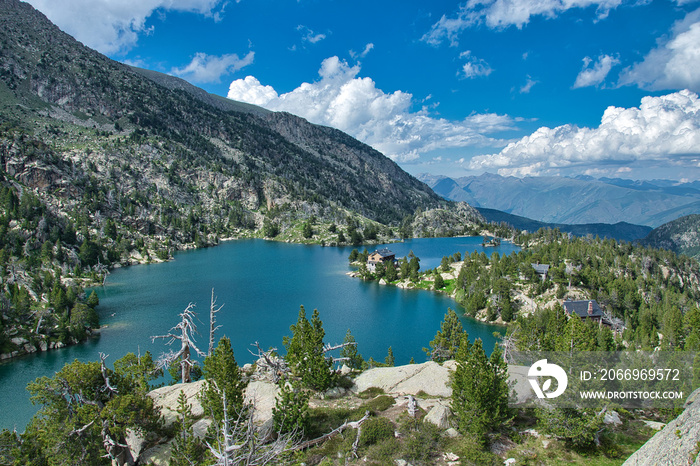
(262, 285)
(407, 284)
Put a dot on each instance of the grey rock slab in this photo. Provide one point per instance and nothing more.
(440, 416)
(263, 395)
(429, 377)
(611, 417)
(675, 444)
(166, 399)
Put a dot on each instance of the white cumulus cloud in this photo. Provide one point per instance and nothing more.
(596, 74)
(500, 14)
(209, 68)
(674, 64)
(474, 67)
(663, 129)
(112, 26)
(385, 121)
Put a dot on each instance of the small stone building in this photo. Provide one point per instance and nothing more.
(380, 255)
(541, 270)
(586, 310)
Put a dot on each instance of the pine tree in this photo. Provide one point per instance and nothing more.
(223, 376)
(479, 390)
(307, 231)
(445, 264)
(578, 428)
(391, 273)
(691, 327)
(93, 300)
(187, 448)
(414, 267)
(439, 282)
(673, 329)
(389, 360)
(88, 410)
(291, 411)
(447, 340)
(305, 354)
(577, 336)
(141, 369)
(355, 359)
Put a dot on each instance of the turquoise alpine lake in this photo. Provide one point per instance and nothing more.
(261, 285)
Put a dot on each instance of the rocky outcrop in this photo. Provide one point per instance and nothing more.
(165, 398)
(446, 222)
(429, 377)
(439, 415)
(677, 444)
(262, 394)
(432, 379)
(681, 236)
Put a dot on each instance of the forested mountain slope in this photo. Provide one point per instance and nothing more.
(102, 164)
(681, 236)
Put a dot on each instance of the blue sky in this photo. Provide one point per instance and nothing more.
(516, 87)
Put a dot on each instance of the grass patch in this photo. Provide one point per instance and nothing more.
(384, 452)
(449, 287)
(323, 420)
(371, 392)
(378, 404)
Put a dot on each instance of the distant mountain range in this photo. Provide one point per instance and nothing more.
(580, 200)
(620, 231)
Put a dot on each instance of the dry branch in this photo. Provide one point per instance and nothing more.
(334, 432)
(275, 365)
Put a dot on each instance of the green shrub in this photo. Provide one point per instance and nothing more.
(375, 430)
(380, 403)
(471, 452)
(345, 382)
(420, 444)
(384, 451)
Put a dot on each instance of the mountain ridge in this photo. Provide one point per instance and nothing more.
(69, 77)
(222, 103)
(621, 231)
(681, 236)
(579, 200)
(102, 166)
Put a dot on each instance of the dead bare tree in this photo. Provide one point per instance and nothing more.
(412, 407)
(278, 367)
(509, 347)
(328, 348)
(244, 444)
(184, 333)
(268, 361)
(41, 313)
(105, 375)
(101, 269)
(212, 321)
